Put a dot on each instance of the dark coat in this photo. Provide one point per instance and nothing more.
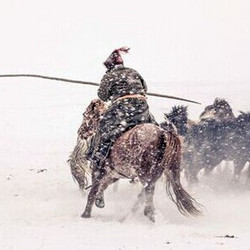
(121, 81)
(122, 114)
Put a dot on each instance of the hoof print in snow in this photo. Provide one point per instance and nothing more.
(41, 170)
(229, 236)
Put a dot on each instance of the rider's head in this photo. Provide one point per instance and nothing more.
(115, 58)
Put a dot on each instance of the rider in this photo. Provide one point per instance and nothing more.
(126, 89)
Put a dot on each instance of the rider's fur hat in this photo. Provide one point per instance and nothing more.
(115, 58)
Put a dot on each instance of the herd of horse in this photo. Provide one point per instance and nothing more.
(146, 152)
(218, 136)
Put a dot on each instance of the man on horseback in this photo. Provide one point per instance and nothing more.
(126, 89)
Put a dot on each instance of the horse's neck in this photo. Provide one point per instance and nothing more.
(90, 124)
(227, 117)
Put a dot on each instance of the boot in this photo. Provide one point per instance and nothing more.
(98, 170)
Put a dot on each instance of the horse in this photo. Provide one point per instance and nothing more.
(145, 152)
(218, 136)
(209, 141)
(178, 117)
(220, 110)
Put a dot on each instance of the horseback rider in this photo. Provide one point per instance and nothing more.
(126, 89)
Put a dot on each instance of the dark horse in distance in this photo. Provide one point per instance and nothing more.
(144, 152)
(218, 136)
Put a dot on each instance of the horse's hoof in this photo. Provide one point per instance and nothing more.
(149, 212)
(85, 215)
(152, 218)
(99, 202)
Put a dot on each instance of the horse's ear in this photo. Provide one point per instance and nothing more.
(220, 101)
(93, 104)
(166, 116)
(217, 101)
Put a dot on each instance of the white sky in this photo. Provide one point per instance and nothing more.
(192, 42)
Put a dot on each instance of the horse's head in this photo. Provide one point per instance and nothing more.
(220, 110)
(91, 118)
(179, 117)
(243, 122)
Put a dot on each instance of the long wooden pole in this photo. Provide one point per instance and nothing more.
(91, 83)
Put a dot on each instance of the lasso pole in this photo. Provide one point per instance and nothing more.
(91, 83)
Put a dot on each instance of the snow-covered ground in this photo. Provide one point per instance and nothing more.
(40, 205)
(192, 49)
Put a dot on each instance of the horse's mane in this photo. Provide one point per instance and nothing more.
(220, 103)
(177, 111)
(177, 116)
(96, 107)
(244, 117)
(243, 121)
(94, 110)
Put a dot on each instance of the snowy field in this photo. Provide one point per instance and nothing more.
(40, 205)
(192, 49)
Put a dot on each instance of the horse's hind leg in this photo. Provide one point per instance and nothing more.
(140, 200)
(149, 209)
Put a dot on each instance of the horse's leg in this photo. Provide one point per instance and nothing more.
(248, 175)
(96, 182)
(149, 209)
(208, 170)
(140, 200)
(91, 199)
(238, 166)
(106, 181)
(191, 171)
(190, 166)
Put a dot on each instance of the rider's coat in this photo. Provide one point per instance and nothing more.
(123, 113)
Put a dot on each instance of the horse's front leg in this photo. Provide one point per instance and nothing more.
(248, 176)
(91, 199)
(149, 209)
(106, 181)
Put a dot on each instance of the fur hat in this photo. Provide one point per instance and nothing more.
(115, 58)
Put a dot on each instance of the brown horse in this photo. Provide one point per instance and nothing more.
(145, 152)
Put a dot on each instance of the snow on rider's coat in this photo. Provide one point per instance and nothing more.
(124, 113)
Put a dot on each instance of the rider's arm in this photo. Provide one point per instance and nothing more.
(104, 89)
(144, 85)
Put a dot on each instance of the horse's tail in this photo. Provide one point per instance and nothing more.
(79, 165)
(171, 162)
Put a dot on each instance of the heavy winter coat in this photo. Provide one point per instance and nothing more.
(122, 114)
(121, 81)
